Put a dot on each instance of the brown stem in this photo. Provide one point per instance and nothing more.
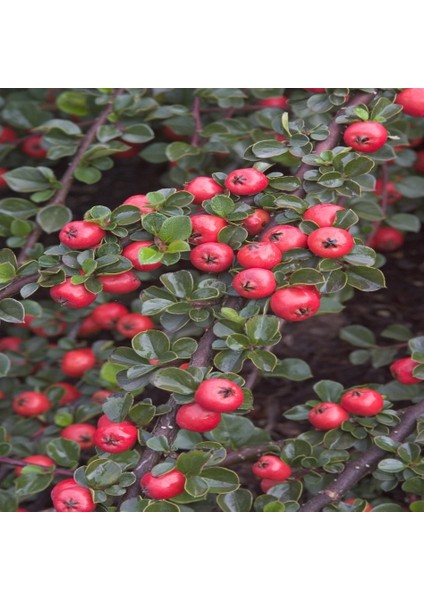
(197, 121)
(15, 462)
(365, 464)
(238, 456)
(14, 287)
(384, 200)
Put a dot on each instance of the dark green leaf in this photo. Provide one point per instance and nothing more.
(191, 463)
(74, 103)
(294, 369)
(404, 222)
(220, 481)
(102, 472)
(263, 330)
(11, 311)
(366, 279)
(262, 359)
(65, 453)
(328, 391)
(175, 228)
(238, 501)
(32, 482)
(53, 218)
(358, 335)
(4, 364)
(30, 179)
(151, 344)
(391, 465)
(175, 380)
(117, 406)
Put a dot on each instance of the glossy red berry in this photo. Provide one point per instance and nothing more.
(131, 324)
(255, 283)
(362, 401)
(246, 181)
(263, 255)
(36, 459)
(132, 253)
(88, 327)
(274, 102)
(76, 362)
(271, 467)
(163, 486)
(121, 283)
(69, 393)
(327, 416)
(256, 222)
(296, 303)
(72, 295)
(33, 147)
(141, 202)
(323, 215)
(330, 242)
(81, 235)
(402, 370)
(116, 437)
(196, 418)
(206, 228)
(392, 194)
(412, 101)
(212, 257)
(365, 136)
(203, 188)
(219, 395)
(3, 182)
(31, 404)
(81, 433)
(286, 237)
(107, 315)
(7, 135)
(12, 343)
(387, 239)
(72, 498)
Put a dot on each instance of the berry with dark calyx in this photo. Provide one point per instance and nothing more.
(206, 228)
(412, 101)
(245, 182)
(72, 295)
(33, 147)
(196, 418)
(365, 136)
(81, 235)
(132, 323)
(330, 242)
(121, 283)
(402, 370)
(387, 239)
(323, 215)
(88, 327)
(203, 188)
(362, 401)
(219, 395)
(296, 303)
(107, 315)
(255, 283)
(163, 486)
(31, 404)
(212, 257)
(274, 102)
(263, 255)
(36, 459)
(76, 362)
(81, 433)
(327, 415)
(271, 467)
(392, 194)
(72, 498)
(256, 222)
(286, 237)
(115, 437)
(63, 485)
(70, 393)
(141, 202)
(132, 253)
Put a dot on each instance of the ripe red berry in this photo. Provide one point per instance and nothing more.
(275, 102)
(76, 362)
(132, 253)
(387, 239)
(72, 498)
(263, 255)
(31, 404)
(36, 459)
(219, 395)
(362, 401)
(33, 147)
(74, 296)
(131, 324)
(366, 136)
(3, 182)
(392, 194)
(203, 188)
(212, 257)
(12, 343)
(419, 163)
(206, 228)
(121, 283)
(402, 370)
(296, 303)
(141, 202)
(7, 135)
(323, 215)
(246, 181)
(63, 485)
(286, 237)
(327, 415)
(88, 327)
(255, 283)
(116, 437)
(69, 392)
(195, 418)
(81, 235)
(107, 315)
(163, 486)
(255, 222)
(330, 242)
(100, 396)
(412, 101)
(271, 467)
(351, 501)
(81, 433)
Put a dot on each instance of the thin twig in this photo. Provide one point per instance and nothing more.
(247, 454)
(14, 287)
(15, 462)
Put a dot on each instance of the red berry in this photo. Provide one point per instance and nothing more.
(263, 255)
(419, 163)
(132, 253)
(351, 501)
(72, 498)
(74, 296)
(163, 486)
(101, 396)
(330, 242)
(271, 467)
(121, 283)
(412, 101)
(275, 102)
(387, 239)
(63, 485)
(195, 418)
(184, 366)
(246, 181)
(362, 401)
(31, 404)
(3, 182)
(76, 362)
(392, 194)
(402, 370)
(130, 152)
(366, 136)
(81, 235)
(255, 222)
(203, 188)
(219, 395)
(140, 201)
(81, 433)
(88, 327)
(7, 135)
(131, 324)
(36, 459)
(69, 392)
(286, 237)
(323, 215)
(116, 437)
(32, 147)
(327, 415)
(255, 283)
(206, 228)
(12, 343)
(212, 257)
(107, 315)
(296, 303)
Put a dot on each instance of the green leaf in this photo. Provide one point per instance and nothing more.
(138, 134)
(178, 150)
(7, 272)
(404, 222)
(74, 103)
(285, 183)
(11, 311)
(4, 365)
(19, 208)
(180, 283)
(411, 187)
(414, 485)
(53, 218)
(386, 443)
(359, 166)
(117, 406)
(175, 228)
(221, 205)
(102, 472)
(155, 153)
(67, 127)
(397, 332)
(65, 453)
(237, 432)
(416, 344)
(358, 335)
(158, 443)
(268, 148)
(238, 501)
(142, 413)
(161, 506)
(30, 179)
(220, 480)
(232, 235)
(262, 359)
(229, 361)
(391, 465)
(237, 342)
(32, 482)
(297, 413)
(175, 380)
(191, 463)
(263, 330)
(306, 276)
(368, 210)
(275, 506)
(361, 256)
(294, 369)
(366, 279)
(151, 344)
(88, 175)
(333, 179)
(328, 391)
(345, 219)
(196, 486)
(149, 256)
